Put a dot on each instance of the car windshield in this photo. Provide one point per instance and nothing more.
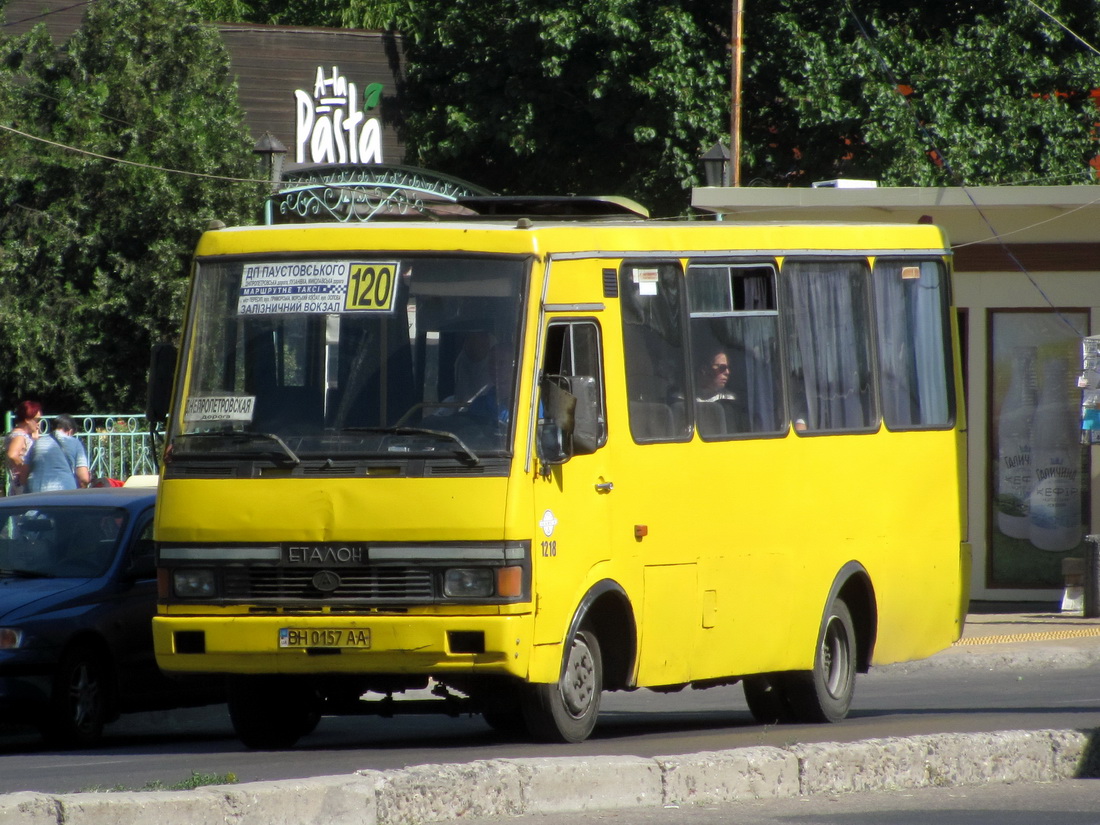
(58, 541)
(383, 355)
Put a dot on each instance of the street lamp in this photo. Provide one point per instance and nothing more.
(271, 149)
(716, 166)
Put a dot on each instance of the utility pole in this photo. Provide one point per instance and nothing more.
(735, 95)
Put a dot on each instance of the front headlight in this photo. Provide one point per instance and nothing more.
(10, 638)
(468, 582)
(193, 584)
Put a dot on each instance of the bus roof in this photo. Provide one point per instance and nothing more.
(526, 237)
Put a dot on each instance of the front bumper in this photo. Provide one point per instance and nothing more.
(429, 645)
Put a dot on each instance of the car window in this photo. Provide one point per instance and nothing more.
(59, 541)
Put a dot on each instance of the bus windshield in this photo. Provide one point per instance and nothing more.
(376, 355)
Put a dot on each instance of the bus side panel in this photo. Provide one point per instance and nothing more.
(764, 526)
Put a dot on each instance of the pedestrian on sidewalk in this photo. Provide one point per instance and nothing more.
(58, 460)
(18, 443)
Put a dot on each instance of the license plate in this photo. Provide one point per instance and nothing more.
(351, 637)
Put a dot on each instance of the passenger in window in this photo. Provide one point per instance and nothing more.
(473, 371)
(712, 377)
(494, 402)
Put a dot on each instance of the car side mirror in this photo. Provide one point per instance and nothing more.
(162, 370)
(143, 563)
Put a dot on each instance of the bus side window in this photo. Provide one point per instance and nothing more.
(654, 350)
(914, 344)
(572, 365)
(737, 383)
(827, 327)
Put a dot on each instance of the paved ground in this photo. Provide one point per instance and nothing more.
(1025, 636)
(704, 786)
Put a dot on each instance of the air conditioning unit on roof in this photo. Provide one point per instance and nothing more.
(845, 183)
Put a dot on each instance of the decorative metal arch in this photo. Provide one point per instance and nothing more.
(354, 194)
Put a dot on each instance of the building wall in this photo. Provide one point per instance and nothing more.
(1026, 310)
(272, 62)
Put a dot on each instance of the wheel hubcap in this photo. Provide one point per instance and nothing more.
(84, 695)
(836, 658)
(577, 681)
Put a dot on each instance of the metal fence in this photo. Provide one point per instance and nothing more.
(118, 446)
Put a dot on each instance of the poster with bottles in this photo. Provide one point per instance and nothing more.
(1038, 460)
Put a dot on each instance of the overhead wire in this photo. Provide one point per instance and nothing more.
(47, 13)
(1070, 31)
(943, 158)
(151, 166)
(88, 153)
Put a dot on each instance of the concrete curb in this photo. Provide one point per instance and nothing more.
(516, 787)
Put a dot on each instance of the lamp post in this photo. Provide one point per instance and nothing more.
(271, 149)
(716, 166)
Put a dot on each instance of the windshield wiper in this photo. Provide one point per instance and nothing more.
(14, 573)
(441, 434)
(247, 437)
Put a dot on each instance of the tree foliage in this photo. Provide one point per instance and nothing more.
(623, 96)
(558, 96)
(958, 92)
(94, 253)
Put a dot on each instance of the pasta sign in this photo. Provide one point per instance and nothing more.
(331, 126)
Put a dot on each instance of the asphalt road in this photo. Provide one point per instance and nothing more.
(893, 701)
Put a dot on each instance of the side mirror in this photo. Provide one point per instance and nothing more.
(143, 563)
(162, 369)
(589, 426)
(555, 436)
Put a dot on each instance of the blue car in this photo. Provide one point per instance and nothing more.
(77, 597)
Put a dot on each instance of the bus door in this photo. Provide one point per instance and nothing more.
(573, 489)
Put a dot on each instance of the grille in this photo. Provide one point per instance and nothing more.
(382, 585)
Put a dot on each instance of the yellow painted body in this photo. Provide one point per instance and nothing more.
(743, 539)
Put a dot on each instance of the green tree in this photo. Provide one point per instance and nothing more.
(565, 96)
(621, 96)
(94, 252)
(352, 14)
(958, 92)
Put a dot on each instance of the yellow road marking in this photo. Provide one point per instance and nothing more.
(1031, 637)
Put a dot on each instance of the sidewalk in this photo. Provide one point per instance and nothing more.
(1026, 626)
(1023, 636)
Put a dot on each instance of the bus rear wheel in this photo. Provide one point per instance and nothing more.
(766, 695)
(824, 694)
(566, 710)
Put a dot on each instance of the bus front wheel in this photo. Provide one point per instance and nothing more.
(824, 694)
(566, 710)
(271, 712)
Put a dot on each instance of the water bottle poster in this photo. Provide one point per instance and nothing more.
(1039, 474)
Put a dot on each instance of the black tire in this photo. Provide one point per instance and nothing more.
(79, 699)
(766, 695)
(566, 710)
(825, 693)
(271, 712)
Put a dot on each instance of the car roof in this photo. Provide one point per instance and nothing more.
(129, 497)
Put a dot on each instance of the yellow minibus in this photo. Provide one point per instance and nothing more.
(530, 455)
